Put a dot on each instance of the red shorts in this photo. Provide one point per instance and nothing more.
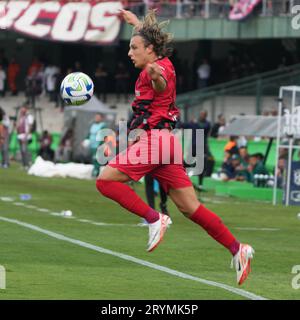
(158, 153)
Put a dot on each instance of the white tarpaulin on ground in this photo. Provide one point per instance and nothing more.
(49, 169)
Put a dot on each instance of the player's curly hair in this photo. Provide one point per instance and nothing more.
(152, 32)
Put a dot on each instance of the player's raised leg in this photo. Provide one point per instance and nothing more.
(187, 202)
(111, 184)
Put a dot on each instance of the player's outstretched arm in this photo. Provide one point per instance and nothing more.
(130, 17)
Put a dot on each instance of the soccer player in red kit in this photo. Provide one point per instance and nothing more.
(154, 108)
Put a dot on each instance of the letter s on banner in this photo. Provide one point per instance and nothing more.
(105, 22)
(61, 28)
(9, 11)
(26, 22)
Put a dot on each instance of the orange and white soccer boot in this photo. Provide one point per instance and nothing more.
(241, 262)
(157, 231)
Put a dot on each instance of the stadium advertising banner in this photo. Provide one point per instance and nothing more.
(294, 185)
(90, 22)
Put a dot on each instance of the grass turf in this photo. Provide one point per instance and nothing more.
(41, 267)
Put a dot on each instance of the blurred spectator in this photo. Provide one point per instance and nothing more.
(12, 74)
(93, 139)
(279, 171)
(204, 123)
(203, 73)
(64, 150)
(242, 173)
(121, 81)
(4, 138)
(151, 192)
(2, 80)
(45, 146)
(218, 126)
(3, 59)
(50, 80)
(35, 67)
(274, 112)
(209, 161)
(1, 132)
(242, 141)
(24, 125)
(231, 146)
(58, 80)
(266, 113)
(256, 166)
(229, 167)
(101, 77)
(78, 67)
(34, 85)
(57, 97)
(244, 156)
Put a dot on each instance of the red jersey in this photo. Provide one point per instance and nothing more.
(153, 109)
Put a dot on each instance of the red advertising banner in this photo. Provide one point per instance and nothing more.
(91, 22)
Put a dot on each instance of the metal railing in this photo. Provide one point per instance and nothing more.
(259, 85)
(207, 9)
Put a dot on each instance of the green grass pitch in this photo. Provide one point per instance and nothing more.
(41, 267)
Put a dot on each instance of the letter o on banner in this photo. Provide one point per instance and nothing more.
(72, 22)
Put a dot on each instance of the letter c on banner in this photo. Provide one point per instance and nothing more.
(26, 22)
(9, 12)
(72, 22)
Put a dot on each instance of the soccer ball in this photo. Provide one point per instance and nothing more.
(76, 89)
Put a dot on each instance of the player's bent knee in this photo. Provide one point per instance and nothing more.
(189, 208)
(113, 174)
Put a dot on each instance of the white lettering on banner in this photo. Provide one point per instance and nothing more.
(27, 23)
(104, 21)
(292, 121)
(10, 11)
(72, 21)
(68, 22)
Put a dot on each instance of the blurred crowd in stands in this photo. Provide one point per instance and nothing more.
(201, 8)
(238, 164)
(42, 77)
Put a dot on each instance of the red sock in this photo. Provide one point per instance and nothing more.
(127, 198)
(215, 228)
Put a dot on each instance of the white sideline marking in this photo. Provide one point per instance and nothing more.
(42, 210)
(104, 224)
(256, 229)
(7, 199)
(151, 265)
(59, 214)
(29, 206)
